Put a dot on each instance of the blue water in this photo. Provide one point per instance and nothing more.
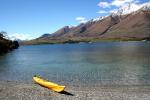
(105, 63)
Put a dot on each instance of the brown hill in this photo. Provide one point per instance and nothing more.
(133, 26)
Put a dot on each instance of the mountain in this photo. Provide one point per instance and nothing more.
(130, 22)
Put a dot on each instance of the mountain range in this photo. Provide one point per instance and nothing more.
(123, 25)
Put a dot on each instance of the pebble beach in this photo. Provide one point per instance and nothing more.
(30, 91)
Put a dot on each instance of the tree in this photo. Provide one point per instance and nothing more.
(16, 44)
(3, 34)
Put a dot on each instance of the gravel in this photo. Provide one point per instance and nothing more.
(30, 91)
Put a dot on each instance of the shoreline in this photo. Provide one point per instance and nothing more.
(29, 91)
(32, 42)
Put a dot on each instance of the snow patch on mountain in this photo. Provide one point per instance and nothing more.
(123, 10)
(98, 18)
(126, 9)
(130, 8)
(146, 6)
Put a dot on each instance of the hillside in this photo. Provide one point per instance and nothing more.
(120, 26)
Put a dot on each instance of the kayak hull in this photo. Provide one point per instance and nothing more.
(50, 85)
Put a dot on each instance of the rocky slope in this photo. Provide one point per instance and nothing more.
(124, 24)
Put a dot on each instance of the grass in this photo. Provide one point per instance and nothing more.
(79, 40)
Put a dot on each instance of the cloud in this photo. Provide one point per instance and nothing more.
(16, 36)
(119, 3)
(137, 1)
(81, 19)
(102, 12)
(104, 4)
(124, 6)
(128, 8)
(116, 3)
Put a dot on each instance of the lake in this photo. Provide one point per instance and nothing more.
(94, 64)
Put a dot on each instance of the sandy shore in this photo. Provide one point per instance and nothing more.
(25, 91)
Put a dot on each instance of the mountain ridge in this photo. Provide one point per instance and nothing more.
(118, 26)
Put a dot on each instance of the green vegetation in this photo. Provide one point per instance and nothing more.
(86, 40)
(5, 44)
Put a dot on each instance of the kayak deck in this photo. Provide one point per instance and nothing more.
(48, 84)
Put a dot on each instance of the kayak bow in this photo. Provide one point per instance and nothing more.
(48, 84)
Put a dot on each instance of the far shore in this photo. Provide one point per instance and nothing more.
(29, 91)
(33, 42)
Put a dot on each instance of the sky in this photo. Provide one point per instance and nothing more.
(28, 19)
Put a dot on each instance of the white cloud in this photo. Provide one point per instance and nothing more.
(20, 36)
(119, 3)
(123, 6)
(81, 19)
(137, 1)
(129, 8)
(102, 12)
(104, 4)
(116, 3)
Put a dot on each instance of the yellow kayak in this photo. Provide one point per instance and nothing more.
(49, 85)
